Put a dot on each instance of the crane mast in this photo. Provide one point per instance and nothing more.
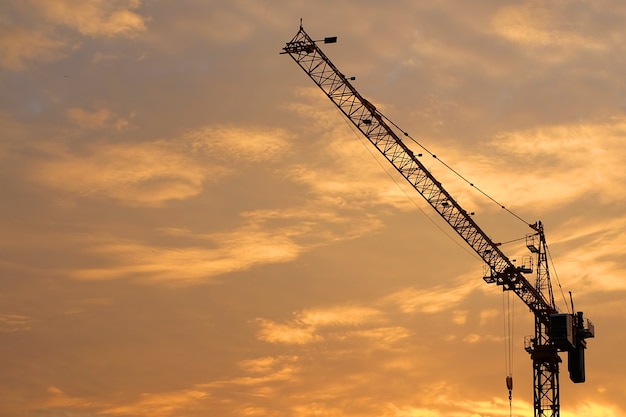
(545, 344)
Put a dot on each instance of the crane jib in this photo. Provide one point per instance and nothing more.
(371, 123)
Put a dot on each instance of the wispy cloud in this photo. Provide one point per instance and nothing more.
(222, 253)
(153, 173)
(163, 404)
(591, 153)
(569, 163)
(58, 399)
(93, 17)
(20, 46)
(539, 23)
(160, 404)
(97, 119)
(263, 377)
(38, 38)
(594, 254)
(313, 325)
(433, 300)
(150, 173)
(135, 174)
(14, 322)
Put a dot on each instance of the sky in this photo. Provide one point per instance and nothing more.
(191, 228)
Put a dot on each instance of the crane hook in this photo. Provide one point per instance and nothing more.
(509, 386)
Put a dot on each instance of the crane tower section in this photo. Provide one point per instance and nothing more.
(545, 345)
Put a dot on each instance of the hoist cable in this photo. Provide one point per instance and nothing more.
(458, 174)
(558, 281)
(509, 322)
(393, 178)
(513, 240)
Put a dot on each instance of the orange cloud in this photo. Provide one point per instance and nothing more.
(395, 411)
(232, 143)
(133, 173)
(537, 23)
(596, 265)
(154, 404)
(20, 46)
(36, 38)
(160, 404)
(306, 325)
(257, 241)
(221, 253)
(593, 409)
(151, 173)
(434, 300)
(383, 338)
(93, 17)
(97, 119)
(264, 370)
(59, 399)
(593, 151)
(266, 364)
(260, 374)
(348, 170)
(14, 322)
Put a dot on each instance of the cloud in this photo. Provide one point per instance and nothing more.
(14, 322)
(433, 300)
(256, 382)
(592, 408)
(20, 46)
(589, 152)
(308, 325)
(236, 144)
(37, 37)
(58, 399)
(150, 173)
(200, 257)
(259, 373)
(97, 119)
(539, 23)
(570, 162)
(160, 404)
(266, 364)
(220, 254)
(97, 18)
(339, 316)
(270, 388)
(382, 338)
(487, 315)
(140, 174)
(344, 166)
(592, 254)
(394, 411)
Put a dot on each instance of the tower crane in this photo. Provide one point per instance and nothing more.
(555, 331)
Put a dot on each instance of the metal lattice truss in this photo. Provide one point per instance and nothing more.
(372, 124)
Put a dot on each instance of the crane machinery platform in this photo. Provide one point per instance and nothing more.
(555, 331)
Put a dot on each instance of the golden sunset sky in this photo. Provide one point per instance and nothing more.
(190, 228)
